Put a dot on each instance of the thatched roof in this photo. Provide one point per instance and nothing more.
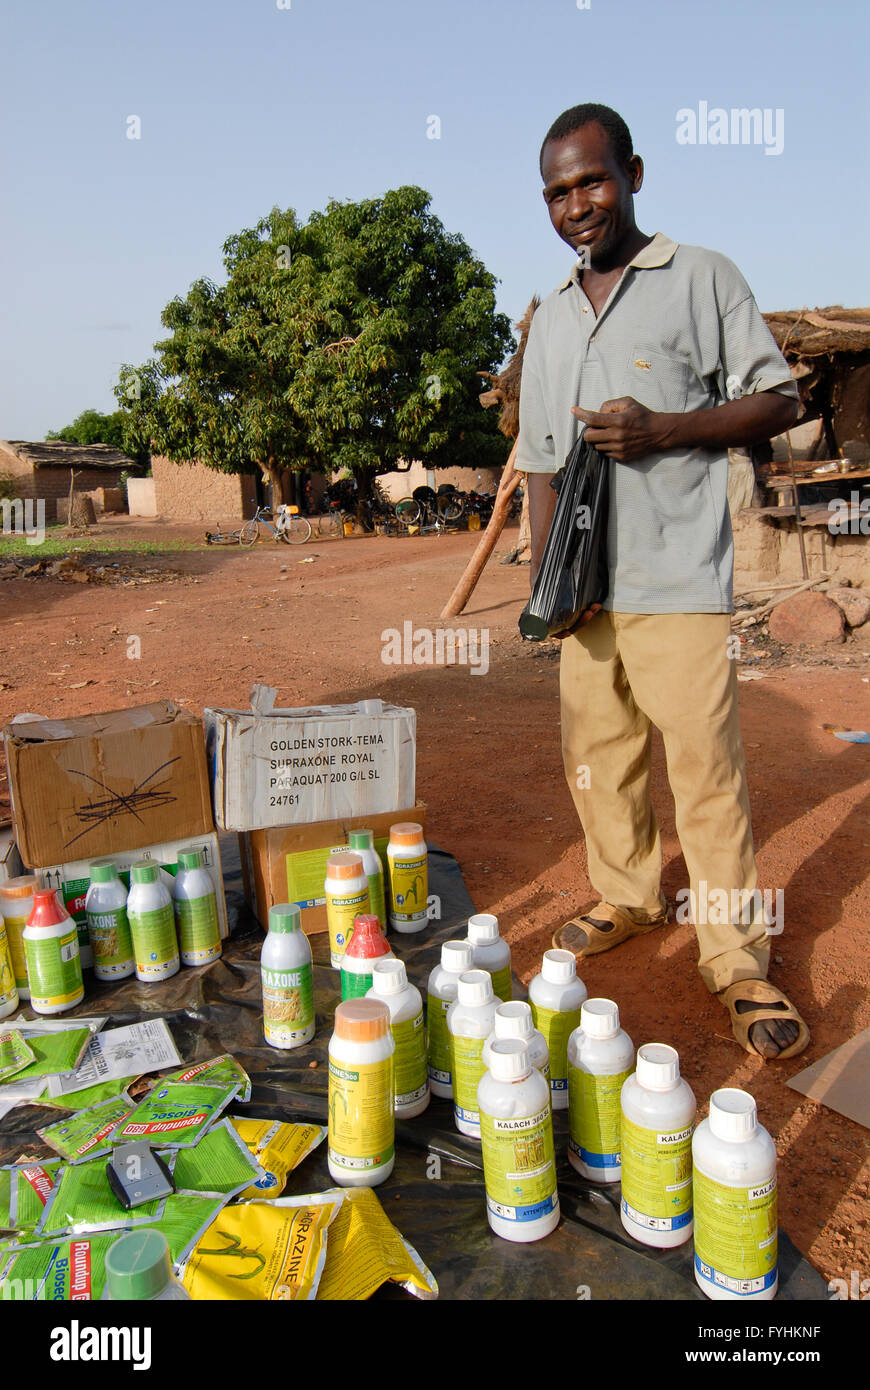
(817, 332)
(56, 454)
(506, 384)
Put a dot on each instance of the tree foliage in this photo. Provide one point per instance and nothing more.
(116, 429)
(352, 340)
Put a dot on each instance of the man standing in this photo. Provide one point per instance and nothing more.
(659, 350)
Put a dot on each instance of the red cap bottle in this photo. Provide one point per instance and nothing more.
(366, 945)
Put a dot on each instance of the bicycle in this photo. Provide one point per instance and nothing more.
(429, 511)
(290, 527)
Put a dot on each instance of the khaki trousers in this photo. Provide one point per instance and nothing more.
(620, 674)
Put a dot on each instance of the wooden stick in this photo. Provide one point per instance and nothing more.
(797, 507)
(765, 608)
(508, 484)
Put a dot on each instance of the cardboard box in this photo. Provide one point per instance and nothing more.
(272, 768)
(10, 859)
(106, 784)
(72, 880)
(289, 865)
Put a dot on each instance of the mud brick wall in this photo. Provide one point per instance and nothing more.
(192, 492)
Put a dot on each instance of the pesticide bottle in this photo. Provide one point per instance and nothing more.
(491, 953)
(516, 1131)
(441, 992)
(196, 914)
(287, 977)
(152, 924)
(366, 945)
(138, 1268)
(600, 1060)
(347, 896)
(735, 1201)
(556, 996)
(409, 878)
(658, 1113)
(362, 1125)
(16, 904)
(469, 1023)
(410, 1076)
(514, 1020)
(108, 928)
(8, 992)
(51, 949)
(362, 842)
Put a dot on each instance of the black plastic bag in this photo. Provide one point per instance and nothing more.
(573, 573)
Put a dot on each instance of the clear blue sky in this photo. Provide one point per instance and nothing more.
(244, 105)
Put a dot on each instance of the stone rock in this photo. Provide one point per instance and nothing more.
(854, 603)
(807, 619)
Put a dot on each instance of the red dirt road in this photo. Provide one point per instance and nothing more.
(489, 769)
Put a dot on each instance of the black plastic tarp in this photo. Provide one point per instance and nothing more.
(435, 1195)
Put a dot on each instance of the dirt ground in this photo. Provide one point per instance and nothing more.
(489, 769)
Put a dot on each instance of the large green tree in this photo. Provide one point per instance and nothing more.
(95, 427)
(350, 341)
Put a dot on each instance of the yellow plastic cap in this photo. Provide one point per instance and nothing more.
(362, 1020)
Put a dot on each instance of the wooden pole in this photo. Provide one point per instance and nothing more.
(510, 481)
(797, 508)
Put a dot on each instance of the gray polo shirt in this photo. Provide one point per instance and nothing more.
(679, 332)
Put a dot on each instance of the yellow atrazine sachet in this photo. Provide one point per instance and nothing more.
(264, 1250)
(365, 1250)
(278, 1148)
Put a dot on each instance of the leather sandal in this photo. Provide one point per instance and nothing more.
(762, 992)
(597, 940)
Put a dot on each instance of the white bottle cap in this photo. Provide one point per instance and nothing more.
(513, 1020)
(482, 929)
(599, 1018)
(389, 976)
(733, 1115)
(658, 1066)
(559, 967)
(475, 987)
(457, 956)
(509, 1060)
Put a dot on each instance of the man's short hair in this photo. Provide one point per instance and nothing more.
(592, 111)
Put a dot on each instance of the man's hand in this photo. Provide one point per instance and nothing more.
(624, 429)
(585, 617)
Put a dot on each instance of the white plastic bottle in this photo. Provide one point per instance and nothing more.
(514, 1020)
(735, 1201)
(51, 948)
(287, 977)
(600, 1060)
(441, 992)
(556, 997)
(362, 1126)
(469, 1023)
(16, 904)
(108, 928)
(658, 1114)
(138, 1268)
(152, 924)
(407, 1025)
(346, 890)
(196, 914)
(407, 859)
(491, 952)
(362, 842)
(516, 1130)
